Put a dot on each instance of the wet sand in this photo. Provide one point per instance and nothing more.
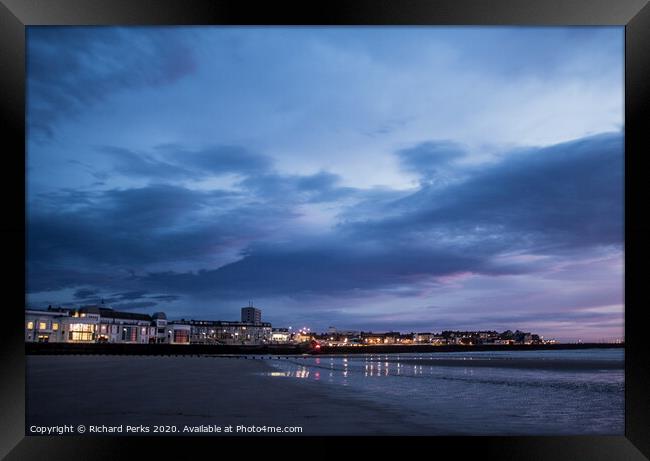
(148, 390)
(530, 364)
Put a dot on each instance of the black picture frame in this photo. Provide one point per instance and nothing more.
(15, 15)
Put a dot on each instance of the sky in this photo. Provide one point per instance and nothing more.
(369, 178)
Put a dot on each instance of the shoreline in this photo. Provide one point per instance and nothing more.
(520, 363)
(277, 350)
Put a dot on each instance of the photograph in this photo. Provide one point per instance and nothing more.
(295, 231)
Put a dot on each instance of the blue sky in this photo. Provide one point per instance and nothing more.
(375, 178)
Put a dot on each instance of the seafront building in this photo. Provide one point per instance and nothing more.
(44, 326)
(280, 335)
(99, 324)
(227, 332)
(334, 337)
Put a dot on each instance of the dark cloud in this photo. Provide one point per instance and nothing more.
(315, 269)
(329, 270)
(112, 231)
(562, 197)
(58, 273)
(134, 305)
(98, 301)
(119, 227)
(70, 68)
(135, 299)
(218, 160)
(318, 187)
(84, 293)
(552, 201)
(130, 295)
(132, 226)
(168, 298)
(430, 160)
(173, 162)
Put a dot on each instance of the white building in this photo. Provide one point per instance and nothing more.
(44, 326)
(99, 324)
(82, 326)
(160, 322)
(95, 324)
(280, 335)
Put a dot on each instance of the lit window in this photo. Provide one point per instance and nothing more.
(42, 326)
(81, 332)
(30, 325)
(81, 336)
(55, 326)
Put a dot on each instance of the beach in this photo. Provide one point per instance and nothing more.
(154, 390)
(559, 392)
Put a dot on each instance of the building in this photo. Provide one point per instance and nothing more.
(280, 335)
(98, 324)
(120, 327)
(82, 325)
(503, 342)
(159, 320)
(302, 336)
(370, 338)
(251, 314)
(226, 332)
(423, 337)
(44, 326)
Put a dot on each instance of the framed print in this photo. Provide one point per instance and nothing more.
(383, 223)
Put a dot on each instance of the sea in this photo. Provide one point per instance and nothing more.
(549, 392)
